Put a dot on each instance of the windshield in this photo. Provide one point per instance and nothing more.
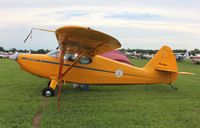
(68, 56)
(53, 53)
(71, 57)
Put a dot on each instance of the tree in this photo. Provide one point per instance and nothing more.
(13, 50)
(2, 49)
(41, 51)
(195, 51)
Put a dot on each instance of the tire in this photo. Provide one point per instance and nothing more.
(48, 92)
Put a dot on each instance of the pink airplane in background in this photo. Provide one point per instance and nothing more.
(117, 55)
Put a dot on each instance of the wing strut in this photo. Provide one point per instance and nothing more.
(72, 65)
(60, 76)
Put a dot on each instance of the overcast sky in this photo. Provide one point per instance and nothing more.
(135, 23)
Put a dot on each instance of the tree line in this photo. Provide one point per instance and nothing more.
(123, 50)
(150, 51)
(39, 51)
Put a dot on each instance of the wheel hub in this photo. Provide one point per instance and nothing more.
(48, 93)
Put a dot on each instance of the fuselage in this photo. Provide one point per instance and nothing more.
(101, 70)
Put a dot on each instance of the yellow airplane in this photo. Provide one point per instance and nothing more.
(78, 61)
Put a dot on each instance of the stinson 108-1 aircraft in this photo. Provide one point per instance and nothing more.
(78, 61)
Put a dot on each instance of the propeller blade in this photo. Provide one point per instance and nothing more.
(30, 34)
(44, 29)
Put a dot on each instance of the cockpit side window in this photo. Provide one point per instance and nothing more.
(70, 57)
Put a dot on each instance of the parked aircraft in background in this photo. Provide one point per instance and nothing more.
(195, 59)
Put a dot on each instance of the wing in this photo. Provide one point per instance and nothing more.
(89, 41)
(81, 40)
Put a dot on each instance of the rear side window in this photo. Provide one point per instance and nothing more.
(85, 60)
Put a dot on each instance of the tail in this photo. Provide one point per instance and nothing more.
(164, 61)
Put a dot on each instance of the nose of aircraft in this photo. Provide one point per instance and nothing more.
(14, 56)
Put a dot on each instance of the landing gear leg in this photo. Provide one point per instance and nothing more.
(174, 88)
(50, 90)
(146, 88)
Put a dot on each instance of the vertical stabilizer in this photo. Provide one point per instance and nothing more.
(164, 60)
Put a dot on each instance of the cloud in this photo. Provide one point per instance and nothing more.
(95, 16)
(155, 21)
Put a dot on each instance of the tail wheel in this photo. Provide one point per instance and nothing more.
(84, 87)
(48, 92)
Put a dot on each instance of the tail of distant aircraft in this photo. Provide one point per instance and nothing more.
(164, 61)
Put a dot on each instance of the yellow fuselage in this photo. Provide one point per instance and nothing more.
(100, 71)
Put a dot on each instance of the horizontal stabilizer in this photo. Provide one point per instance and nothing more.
(165, 70)
(186, 73)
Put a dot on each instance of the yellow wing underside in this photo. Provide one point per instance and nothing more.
(80, 39)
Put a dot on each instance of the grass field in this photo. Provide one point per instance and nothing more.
(154, 106)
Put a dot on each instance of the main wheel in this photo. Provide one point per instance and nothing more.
(84, 87)
(48, 92)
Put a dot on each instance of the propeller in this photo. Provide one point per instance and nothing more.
(60, 75)
(30, 34)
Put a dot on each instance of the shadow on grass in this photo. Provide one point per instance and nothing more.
(136, 89)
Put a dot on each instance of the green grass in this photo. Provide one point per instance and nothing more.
(102, 106)
(19, 95)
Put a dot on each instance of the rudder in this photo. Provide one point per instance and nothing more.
(164, 60)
